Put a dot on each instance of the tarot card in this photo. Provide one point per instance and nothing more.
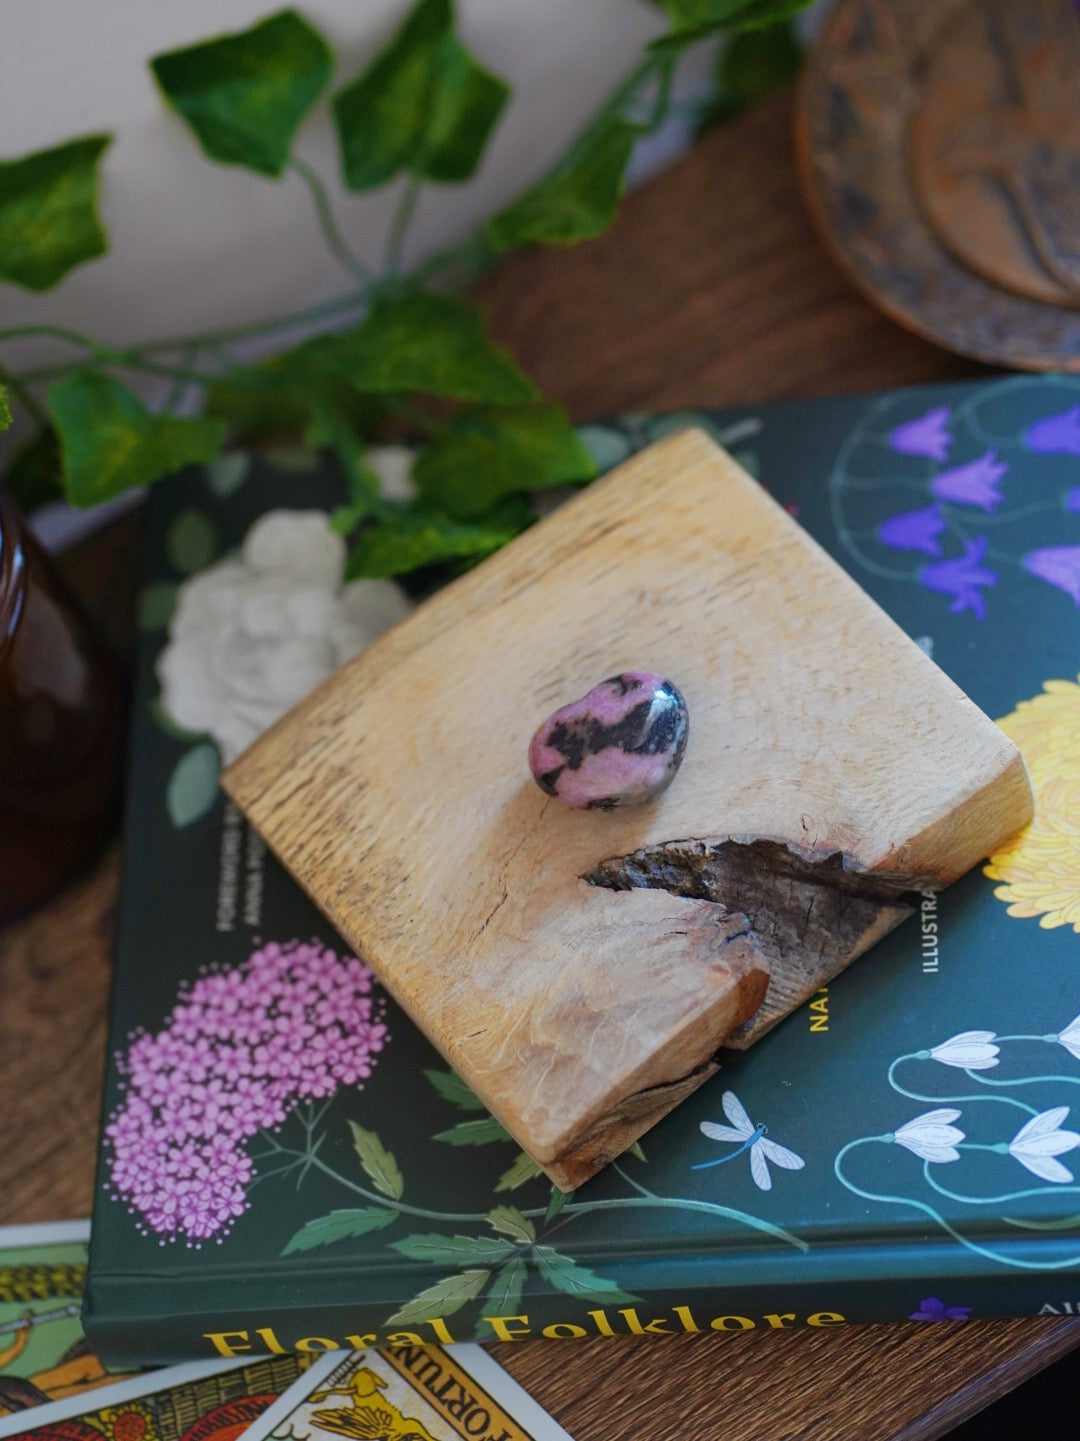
(406, 1393)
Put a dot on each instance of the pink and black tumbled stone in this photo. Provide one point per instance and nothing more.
(620, 745)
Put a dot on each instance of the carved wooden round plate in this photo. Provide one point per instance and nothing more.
(939, 144)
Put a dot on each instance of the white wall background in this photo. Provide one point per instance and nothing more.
(194, 245)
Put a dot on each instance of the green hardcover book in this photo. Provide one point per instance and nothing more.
(286, 1163)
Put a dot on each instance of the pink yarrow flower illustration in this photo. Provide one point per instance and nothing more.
(1037, 1143)
(928, 435)
(932, 1136)
(969, 1051)
(235, 1056)
(972, 484)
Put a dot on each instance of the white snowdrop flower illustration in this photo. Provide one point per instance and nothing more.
(932, 1136)
(969, 1051)
(1037, 1143)
(1070, 1037)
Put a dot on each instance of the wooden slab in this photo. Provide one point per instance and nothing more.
(580, 969)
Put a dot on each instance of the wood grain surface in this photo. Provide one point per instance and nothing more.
(710, 289)
(398, 796)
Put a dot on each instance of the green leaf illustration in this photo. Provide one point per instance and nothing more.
(442, 1299)
(420, 534)
(48, 212)
(5, 410)
(510, 1221)
(339, 1226)
(505, 1294)
(451, 1087)
(492, 452)
(556, 1203)
(156, 603)
(191, 542)
(110, 442)
(378, 1162)
(635, 1150)
(693, 19)
(574, 1280)
(429, 343)
(424, 105)
(454, 1250)
(193, 785)
(245, 94)
(227, 473)
(474, 1133)
(578, 201)
(524, 1169)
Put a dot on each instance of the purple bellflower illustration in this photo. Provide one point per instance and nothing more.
(961, 577)
(928, 435)
(1058, 565)
(1055, 434)
(913, 530)
(972, 484)
(933, 1309)
(1072, 500)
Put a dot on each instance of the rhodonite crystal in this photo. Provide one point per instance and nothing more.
(619, 745)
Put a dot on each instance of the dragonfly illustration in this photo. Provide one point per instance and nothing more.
(749, 1138)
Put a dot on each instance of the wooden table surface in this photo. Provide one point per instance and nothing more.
(710, 289)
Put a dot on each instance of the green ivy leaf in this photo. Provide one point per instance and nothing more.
(420, 342)
(751, 66)
(418, 534)
(193, 785)
(110, 442)
(442, 1299)
(510, 1221)
(190, 542)
(339, 1226)
(557, 1201)
(451, 1087)
(453, 1250)
(33, 473)
(48, 212)
(524, 1169)
(424, 105)
(578, 201)
(492, 452)
(474, 1133)
(378, 1162)
(5, 410)
(245, 94)
(505, 1293)
(574, 1280)
(156, 604)
(693, 19)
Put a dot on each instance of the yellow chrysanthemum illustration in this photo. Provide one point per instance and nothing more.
(1040, 867)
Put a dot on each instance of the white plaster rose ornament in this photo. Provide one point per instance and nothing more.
(251, 636)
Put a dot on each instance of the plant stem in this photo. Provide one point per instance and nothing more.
(32, 407)
(399, 227)
(327, 224)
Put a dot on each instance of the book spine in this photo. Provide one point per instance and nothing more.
(134, 1336)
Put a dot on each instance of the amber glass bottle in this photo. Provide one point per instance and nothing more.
(60, 723)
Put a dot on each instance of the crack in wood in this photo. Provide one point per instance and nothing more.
(810, 913)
